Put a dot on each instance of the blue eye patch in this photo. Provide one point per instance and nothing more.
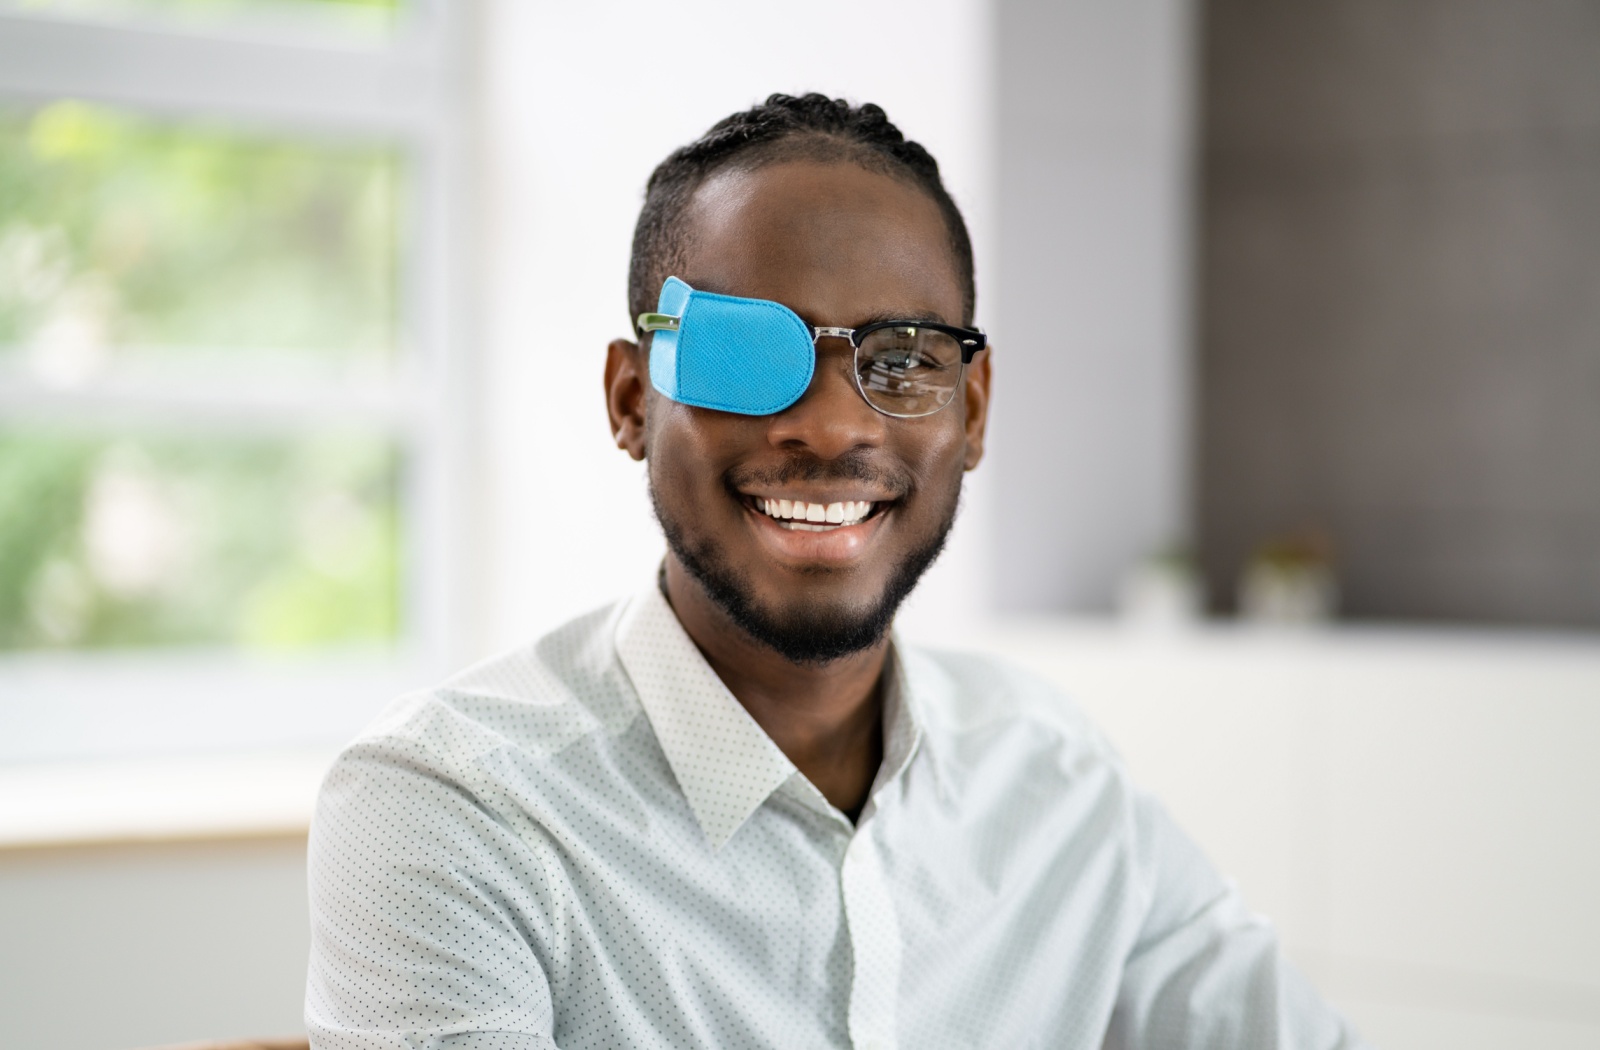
(750, 356)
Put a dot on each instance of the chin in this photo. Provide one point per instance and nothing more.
(814, 629)
(805, 632)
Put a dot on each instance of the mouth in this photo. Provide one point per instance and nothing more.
(802, 516)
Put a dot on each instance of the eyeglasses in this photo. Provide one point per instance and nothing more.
(757, 357)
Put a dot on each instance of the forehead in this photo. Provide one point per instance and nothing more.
(836, 243)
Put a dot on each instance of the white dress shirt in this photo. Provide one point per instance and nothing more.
(590, 843)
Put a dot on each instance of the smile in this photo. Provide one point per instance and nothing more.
(800, 516)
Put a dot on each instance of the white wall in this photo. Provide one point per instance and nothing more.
(1094, 132)
(114, 947)
(581, 102)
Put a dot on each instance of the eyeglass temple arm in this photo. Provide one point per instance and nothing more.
(657, 323)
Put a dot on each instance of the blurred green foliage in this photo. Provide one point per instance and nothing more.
(260, 543)
(121, 235)
(170, 249)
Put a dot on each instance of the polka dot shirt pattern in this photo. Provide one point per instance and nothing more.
(589, 843)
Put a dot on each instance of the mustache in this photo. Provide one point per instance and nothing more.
(855, 465)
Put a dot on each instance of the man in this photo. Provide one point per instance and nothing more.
(734, 811)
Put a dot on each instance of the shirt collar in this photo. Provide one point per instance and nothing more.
(902, 729)
(724, 762)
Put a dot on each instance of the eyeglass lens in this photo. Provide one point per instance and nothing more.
(906, 371)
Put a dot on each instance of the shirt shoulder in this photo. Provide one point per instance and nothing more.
(537, 699)
(966, 694)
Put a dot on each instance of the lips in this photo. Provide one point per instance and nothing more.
(814, 513)
(816, 533)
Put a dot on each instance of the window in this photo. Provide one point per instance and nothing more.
(228, 354)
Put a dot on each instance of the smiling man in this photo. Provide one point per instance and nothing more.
(735, 810)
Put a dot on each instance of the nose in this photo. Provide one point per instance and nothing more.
(831, 418)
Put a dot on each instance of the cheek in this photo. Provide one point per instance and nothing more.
(689, 449)
(936, 452)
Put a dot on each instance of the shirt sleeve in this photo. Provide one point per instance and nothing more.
(422, 923)
(1205, 972)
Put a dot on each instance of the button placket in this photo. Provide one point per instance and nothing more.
(875, 941)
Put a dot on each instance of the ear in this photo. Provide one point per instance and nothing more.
(976, 396)
(627, 380)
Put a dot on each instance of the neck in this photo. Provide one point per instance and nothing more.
(827, 718)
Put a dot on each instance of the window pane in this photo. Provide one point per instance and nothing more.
(365, 17)
(125, 241)
(262, 543)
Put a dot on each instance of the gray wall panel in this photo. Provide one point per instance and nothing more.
(1400, 300)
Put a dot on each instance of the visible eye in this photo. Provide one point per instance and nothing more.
(900, 359)
(906, 359)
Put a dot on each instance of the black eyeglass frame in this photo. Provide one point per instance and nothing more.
(969, 340)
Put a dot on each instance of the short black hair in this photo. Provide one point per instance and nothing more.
(810, 127)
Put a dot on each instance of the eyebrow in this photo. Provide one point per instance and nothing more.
(910, 318)
(919, 318)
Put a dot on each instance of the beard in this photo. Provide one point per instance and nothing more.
(810, 634)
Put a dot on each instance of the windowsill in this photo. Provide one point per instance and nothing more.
(100, 708)
(139, 801)
(270, 794)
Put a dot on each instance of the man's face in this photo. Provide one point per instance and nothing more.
(841, 247)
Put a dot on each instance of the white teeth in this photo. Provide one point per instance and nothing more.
(816, 517)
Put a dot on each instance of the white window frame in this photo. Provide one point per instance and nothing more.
(410, 90)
